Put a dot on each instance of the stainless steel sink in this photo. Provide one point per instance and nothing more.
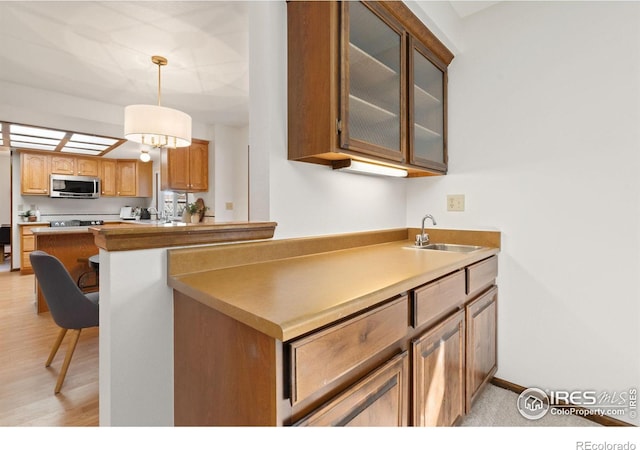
(450, 248)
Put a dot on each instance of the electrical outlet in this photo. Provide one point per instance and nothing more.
(228, 206)
(455, 202)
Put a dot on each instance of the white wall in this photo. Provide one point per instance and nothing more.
(305, 199)
(231, 173)
(136, 339)
(544, 114)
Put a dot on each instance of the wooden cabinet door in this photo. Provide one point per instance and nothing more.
(199, 167)
(482, 361)
(439, 373)
(380, 399)
(34, 174)
(186, 169)
(373, 97)
(427, 108)
(63, 165)
(87, 167)
(27, 245)
(108, 178)
(178, 168)
(126, 178)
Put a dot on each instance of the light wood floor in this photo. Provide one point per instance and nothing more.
(26, 386)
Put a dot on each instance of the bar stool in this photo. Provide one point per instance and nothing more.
(85, 279)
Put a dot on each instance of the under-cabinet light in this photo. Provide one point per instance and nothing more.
(368, 168)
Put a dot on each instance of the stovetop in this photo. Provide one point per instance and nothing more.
(75, 223)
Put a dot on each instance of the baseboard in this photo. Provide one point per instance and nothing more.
(601, 419)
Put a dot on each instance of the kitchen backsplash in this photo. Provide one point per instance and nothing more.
(104, 208)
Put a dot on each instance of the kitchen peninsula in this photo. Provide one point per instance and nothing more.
(136, 313)
(326, 331)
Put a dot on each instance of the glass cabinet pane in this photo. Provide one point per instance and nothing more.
(428, 111)
(374, 80)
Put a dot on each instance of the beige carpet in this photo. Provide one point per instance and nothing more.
(497, 407)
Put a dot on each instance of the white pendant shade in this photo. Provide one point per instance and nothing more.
(157, 126)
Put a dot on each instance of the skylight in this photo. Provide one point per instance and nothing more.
(19, 136)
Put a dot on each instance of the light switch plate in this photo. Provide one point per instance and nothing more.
(228, 206)
(455, 202)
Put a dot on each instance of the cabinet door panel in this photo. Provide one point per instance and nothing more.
(63, 165)
(482, 361)
(427, 112)
(178, 168)
(380, 399)
(126, 176)
(199, 167)
(108, 177)
(373, 90)
(34, 174)
(87, 167)
(438, 365)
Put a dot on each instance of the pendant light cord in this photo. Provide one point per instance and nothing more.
(159, 68)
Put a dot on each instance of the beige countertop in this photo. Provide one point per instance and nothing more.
(59, 230)
(44, 224)
(286, 298)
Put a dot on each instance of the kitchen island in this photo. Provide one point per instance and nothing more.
(72, 246)
(309, 331)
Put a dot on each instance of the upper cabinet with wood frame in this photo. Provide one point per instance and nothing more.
(34, 173)
(366, 81)
(119, 177)
(185, 168)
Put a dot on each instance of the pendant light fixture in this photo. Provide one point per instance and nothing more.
(144, 155)
(157, 126)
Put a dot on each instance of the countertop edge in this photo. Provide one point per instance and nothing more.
(139, 237)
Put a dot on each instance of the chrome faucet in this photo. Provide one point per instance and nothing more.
(422, 239)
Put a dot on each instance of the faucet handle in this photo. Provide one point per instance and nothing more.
(418, 242)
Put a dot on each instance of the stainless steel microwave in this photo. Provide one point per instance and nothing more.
(70, 186)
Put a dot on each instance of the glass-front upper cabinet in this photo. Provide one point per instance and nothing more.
(427, 109)
(373, 82)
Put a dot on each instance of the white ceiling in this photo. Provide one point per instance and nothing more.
(102, 51)
(466, 8)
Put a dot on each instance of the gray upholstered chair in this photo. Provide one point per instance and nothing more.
(70, 308)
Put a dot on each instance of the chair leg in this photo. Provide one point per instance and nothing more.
(67, 358)
(56, 346)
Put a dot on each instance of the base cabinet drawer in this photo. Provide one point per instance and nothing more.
(380, 399)
(438, 374)
(323, 357)
(481, 274)
(482, 361)
(438, 299)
